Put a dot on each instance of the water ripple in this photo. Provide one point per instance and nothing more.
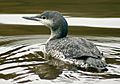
(25, 64)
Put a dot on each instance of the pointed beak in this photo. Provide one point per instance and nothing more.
(32, 18)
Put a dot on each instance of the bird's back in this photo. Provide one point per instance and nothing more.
(73, 47)
(77, 51)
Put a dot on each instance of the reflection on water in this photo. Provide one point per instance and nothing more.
(21, 62)
(20, 46)
(84, 8)
(72, 21)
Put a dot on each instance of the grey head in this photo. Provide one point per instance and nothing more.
(55, 21)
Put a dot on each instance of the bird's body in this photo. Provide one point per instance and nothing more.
(81, 52)
(73, 47)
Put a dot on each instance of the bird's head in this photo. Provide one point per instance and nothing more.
(51, 19)
(54, 20)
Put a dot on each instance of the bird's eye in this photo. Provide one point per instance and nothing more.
(43, 17)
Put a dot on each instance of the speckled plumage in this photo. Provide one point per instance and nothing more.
(73, 47)
(78, 51)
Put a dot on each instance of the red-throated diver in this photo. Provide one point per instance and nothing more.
(82, 52)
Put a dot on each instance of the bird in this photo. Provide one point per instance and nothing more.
(78, 51)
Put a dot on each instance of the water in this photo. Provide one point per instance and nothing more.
(21, 62)
(72, 21)
(21, 41)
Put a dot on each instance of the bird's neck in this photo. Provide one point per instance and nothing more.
(60, 32)
(59, 29)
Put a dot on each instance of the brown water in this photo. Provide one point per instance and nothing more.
(20, 48)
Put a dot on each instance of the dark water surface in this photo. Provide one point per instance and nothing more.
(94, 8)
(20, 46)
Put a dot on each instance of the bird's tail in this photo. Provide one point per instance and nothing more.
(94, 65)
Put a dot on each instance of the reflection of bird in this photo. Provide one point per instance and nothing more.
(79, 51)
